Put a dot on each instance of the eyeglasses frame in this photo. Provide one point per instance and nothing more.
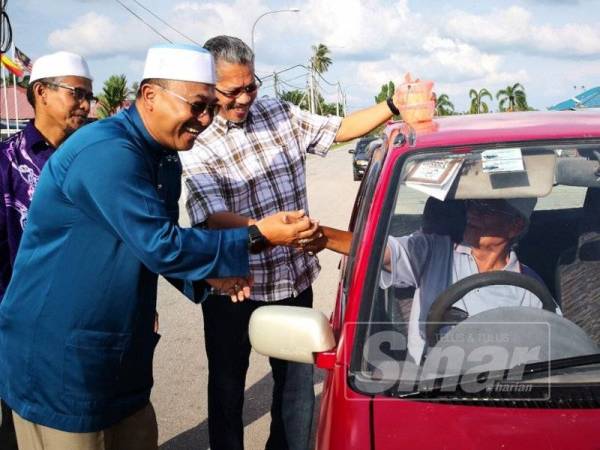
(209, 108)
(89, 96)
(242, 90)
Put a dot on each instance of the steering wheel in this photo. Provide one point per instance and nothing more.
(462, 287)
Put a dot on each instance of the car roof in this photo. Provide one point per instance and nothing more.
(473, 129)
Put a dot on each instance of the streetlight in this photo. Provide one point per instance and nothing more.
(267, 13)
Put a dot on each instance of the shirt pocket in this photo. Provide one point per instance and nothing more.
(92, 363)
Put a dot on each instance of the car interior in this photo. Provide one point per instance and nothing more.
(562, 245)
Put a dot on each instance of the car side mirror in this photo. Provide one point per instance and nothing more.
(351, 151)
(291, 333)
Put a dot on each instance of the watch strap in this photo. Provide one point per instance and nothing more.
(390, 102)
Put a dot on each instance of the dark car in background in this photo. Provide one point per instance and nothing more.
(360, 161)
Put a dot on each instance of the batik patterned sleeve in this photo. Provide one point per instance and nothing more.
(5, 267)
(316, 133)
(204, 191)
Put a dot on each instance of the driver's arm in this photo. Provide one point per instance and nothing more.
(404, 260)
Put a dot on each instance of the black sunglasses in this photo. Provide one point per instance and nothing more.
(79, 94)
(198, 108)
(249, 89)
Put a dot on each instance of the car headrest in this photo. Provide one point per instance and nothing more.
(578, 172)
(445, 217)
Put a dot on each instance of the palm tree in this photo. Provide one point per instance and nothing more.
(114, 94)
(478, 106)
(320, 59)
(443, 105)
(512, 98)
(387, 90)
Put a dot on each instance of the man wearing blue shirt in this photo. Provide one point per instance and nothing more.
(76, 321)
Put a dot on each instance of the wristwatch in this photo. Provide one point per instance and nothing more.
(390, 102)
(257, 242)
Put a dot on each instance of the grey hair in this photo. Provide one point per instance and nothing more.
(48, 81)
(230, 49)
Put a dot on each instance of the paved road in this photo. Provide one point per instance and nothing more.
(180, 366)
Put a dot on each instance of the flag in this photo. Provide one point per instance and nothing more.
(12, 66)
(23, 59)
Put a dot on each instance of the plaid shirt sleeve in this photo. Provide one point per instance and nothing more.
(316, 133)
(205, 195)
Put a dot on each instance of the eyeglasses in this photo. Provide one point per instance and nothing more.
(490, 207)
(79, 94)
(198, 108)
(249, 89)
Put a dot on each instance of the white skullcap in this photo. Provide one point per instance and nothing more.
(60, 64)
(180, 62)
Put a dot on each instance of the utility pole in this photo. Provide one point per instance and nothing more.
(339, 99)
(311, 88)
(275, 87)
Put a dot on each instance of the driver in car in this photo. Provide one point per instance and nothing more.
(433, 262)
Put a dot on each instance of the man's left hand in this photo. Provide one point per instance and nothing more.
(236, 287)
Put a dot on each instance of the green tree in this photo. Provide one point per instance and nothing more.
(300, 98)
(296, 97)
(512, 98)
(387, 90)
(443, 105)
(320, 59)
(478, 105)
(23, 82)
(114, 94)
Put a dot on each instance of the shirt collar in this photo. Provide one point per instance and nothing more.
(146, 138)
(512, 265)
(223, 125)
(34, 138)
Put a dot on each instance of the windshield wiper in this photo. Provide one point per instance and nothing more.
(558, 364)
(526, 371)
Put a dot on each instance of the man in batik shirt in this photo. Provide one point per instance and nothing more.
(60, 91)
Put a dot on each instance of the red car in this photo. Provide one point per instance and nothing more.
(507, 377)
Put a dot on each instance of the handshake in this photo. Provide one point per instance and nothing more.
(289, 228)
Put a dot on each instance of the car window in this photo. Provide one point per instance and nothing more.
(358, 220)
(396, 351)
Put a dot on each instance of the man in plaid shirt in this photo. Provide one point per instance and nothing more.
(248, 164)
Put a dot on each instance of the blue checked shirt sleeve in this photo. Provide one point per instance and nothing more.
(205, 194)
(316, 133)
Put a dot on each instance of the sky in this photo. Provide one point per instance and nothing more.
(551, 47)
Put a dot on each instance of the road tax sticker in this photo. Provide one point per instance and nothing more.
(502, 160)
(435, 176)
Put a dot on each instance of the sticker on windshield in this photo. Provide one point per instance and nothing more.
(435, 176)
(502, 160)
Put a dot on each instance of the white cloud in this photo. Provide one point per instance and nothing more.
(371, 41)
(513, 30)
(98, 35)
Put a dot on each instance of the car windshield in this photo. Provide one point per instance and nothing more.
(488, 263)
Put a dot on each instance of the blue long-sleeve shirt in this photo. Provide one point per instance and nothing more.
(76, 322)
